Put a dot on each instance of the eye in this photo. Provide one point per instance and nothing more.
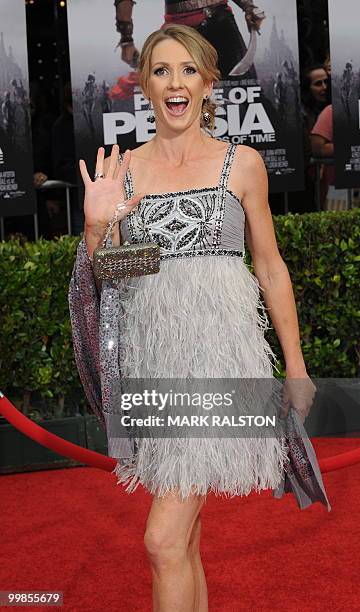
(159, 71)
(191, 69)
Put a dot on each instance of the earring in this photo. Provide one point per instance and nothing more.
(151, 117)
(206, 117)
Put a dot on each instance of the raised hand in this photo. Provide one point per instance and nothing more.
(254, 18)
(130, 55)
(106, 192)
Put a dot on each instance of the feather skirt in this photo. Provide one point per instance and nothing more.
(199, 317)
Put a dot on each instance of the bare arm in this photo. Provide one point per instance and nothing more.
(124, 10)
(125, 26)
(269, 267)
(321, 147)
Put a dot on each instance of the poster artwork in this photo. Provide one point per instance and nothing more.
(257, 96)
(17, 195)
(345, 89)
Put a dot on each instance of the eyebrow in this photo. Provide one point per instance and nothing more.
(181, 63)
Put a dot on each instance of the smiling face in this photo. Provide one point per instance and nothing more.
(175, 86)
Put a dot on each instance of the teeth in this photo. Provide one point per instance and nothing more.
(177, 99)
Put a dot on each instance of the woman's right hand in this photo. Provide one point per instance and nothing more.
(103, 195)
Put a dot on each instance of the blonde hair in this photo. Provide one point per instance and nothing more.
(203, 53)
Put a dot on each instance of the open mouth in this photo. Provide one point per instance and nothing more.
(177, 105)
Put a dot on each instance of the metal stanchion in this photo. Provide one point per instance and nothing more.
(318, 186)
(286, 202)
(349, 199)
(36, 226)
(68, 209)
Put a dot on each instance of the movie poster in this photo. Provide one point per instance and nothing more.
(258, 95)
(345, 87)
(17, 194)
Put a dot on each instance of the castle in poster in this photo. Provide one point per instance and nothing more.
(9, 68)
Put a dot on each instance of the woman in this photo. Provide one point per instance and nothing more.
(315, 93)
(197, 318)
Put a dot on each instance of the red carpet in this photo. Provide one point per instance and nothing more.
(76, 531)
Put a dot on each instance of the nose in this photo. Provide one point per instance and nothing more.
(175, 79)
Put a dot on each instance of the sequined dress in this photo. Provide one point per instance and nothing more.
(202, 316)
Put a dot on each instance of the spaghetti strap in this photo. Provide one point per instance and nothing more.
(229, 156)
(128, 184)
(221, 195)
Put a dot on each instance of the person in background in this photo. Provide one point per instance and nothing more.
(323, 146)
(314, 93)
(322, 134)
(314, 98)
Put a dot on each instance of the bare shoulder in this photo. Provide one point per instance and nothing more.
(248, 159)
(249, 175)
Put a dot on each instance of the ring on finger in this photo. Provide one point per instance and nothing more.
(98, 175)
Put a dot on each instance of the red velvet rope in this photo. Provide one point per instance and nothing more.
(97, 460)
(50, 440)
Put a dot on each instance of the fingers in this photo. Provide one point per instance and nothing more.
(100, 160)
(126, 159)
(84, 173)
(136, 198)
(113, 161)
(128, 205)
(284, 409)
(124, 208)
(124, 166)
(119, 171)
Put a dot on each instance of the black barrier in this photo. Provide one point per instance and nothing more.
(48, 185)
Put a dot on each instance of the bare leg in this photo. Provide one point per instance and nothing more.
(201, 594)
(168, 543)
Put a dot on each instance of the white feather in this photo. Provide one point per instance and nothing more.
(199, 317)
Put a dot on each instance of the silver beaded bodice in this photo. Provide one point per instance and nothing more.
(208, 221)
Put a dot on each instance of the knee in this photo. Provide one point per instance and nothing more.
(194, 542)
(164, 548)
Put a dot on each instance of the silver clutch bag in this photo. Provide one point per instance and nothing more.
(137, 259)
